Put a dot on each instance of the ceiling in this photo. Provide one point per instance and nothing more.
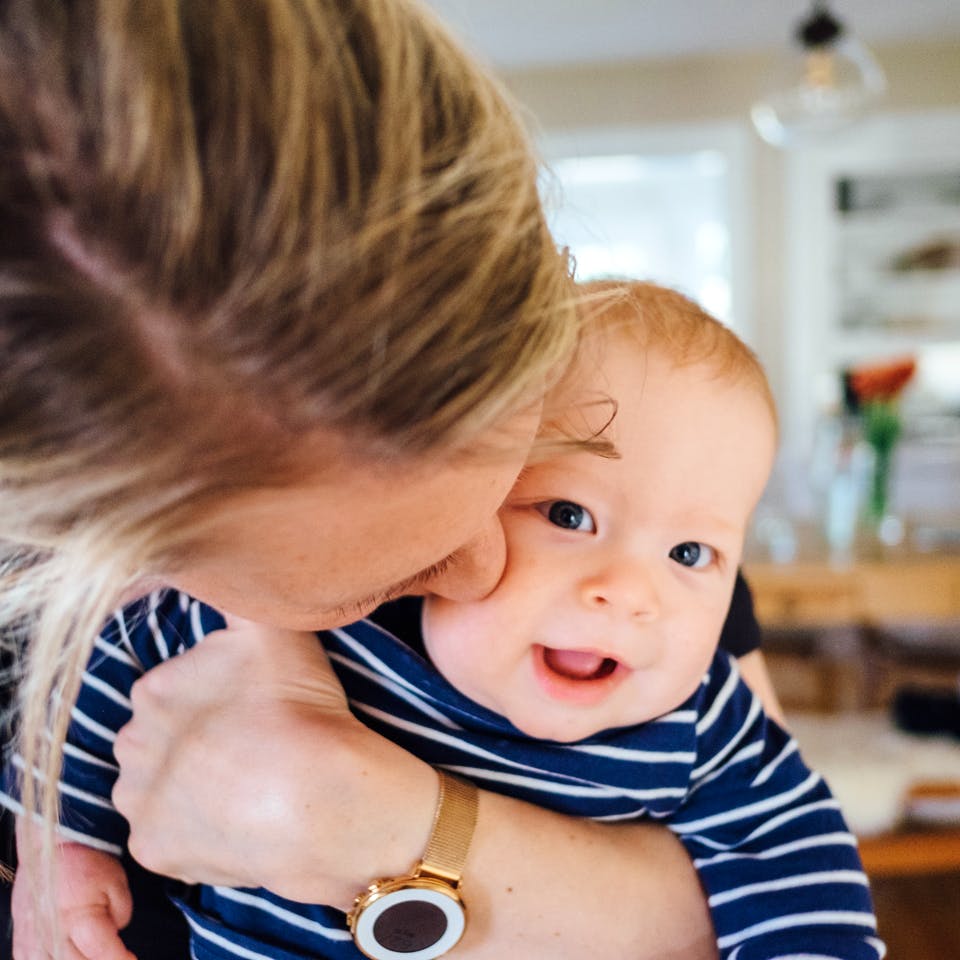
(521, 34)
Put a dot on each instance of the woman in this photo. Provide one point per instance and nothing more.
(277, 306)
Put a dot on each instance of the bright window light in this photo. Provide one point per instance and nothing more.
(660, 217)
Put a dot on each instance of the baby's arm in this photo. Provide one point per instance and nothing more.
(768, 840)
(92, 902)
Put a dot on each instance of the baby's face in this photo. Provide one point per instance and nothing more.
(619, 571)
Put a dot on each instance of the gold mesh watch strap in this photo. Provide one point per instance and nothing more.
(453, 826)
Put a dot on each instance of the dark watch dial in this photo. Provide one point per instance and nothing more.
(411, 926)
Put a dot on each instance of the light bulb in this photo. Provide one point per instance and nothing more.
(829, 81)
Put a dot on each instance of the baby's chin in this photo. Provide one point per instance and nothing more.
(540, 728)
(571, 728)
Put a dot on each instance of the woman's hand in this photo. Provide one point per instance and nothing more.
(243, 766)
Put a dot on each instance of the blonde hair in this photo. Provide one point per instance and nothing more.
(664, 319)
(224, 226)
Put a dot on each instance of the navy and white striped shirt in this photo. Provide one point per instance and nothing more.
(780, 867)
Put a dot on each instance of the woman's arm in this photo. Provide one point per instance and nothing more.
(244, 767)
(753, 669)
(544, 885)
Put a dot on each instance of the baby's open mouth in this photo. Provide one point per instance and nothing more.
(578, 664)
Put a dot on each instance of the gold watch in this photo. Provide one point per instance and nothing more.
(421, 916)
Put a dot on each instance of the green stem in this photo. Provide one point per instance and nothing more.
(881, 427)
(880, 485)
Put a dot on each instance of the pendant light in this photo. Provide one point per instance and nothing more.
(830, 80)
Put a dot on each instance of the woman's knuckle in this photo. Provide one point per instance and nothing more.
(146, 690)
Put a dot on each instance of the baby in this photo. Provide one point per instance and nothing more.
(589, 681)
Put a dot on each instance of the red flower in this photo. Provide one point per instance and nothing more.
(881, 381)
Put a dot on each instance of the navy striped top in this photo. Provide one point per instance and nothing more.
(780, 868)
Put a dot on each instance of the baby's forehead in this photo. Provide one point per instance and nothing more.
(683, 346)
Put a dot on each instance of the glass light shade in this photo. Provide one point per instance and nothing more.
(818, 91)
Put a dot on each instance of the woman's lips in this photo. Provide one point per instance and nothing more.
(578, 676)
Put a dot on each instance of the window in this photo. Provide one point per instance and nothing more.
(665, 207)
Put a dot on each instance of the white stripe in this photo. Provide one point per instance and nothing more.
(788, 883)
(798, 956)
(287, 916)
(224, 943)
(196, 624)
(97, 728)
(772, 853)
(751, 809)
(677, 716)
(741, 756)
(570, 790)
(105, 689)
(638, 756)
(721, 755)
(159, 640)
(402, 692)
(879, 946)
(76, 837)
(92, 799)
(834, 917)
(556, 784)
(16, 808)
(767, 772)
(773, 823)
(114, 651)
(629, 815)
(125, 641)
(829, 803)
(65, 788)
(364, 654)
(719, 702)
(427, 733)
(71, 751)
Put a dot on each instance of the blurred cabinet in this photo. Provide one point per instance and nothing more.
(873, 266)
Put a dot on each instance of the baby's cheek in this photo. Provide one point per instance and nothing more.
(462, 643)
(448, 634)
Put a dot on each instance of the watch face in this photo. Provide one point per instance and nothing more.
(409, 924)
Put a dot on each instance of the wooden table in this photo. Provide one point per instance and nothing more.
(860, 602)
(870, 592)
(911, 853)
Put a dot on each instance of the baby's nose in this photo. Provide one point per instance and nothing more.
(625, 590)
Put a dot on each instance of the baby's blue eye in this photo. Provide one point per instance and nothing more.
(692, 554)
(569, 515)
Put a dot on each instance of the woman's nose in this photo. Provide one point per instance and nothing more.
(475, 569)
(622, 589)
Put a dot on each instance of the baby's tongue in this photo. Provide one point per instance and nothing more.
(576, 664)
